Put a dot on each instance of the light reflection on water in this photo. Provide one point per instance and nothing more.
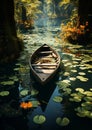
(49, 108)
(64, 109)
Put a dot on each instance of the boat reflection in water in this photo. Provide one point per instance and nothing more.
(45, 91)
(48, 108)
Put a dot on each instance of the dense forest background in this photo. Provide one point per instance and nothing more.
(10, 43)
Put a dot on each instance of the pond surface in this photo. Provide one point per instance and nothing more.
(64, 103)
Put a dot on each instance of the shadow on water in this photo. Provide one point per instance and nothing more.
(45, 91)
(11, 116)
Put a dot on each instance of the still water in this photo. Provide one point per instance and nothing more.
(64, 103)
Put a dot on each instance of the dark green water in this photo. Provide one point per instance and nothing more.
(58, 99)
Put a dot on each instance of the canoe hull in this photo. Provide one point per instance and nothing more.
(44, 64)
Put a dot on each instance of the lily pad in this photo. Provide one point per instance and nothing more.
(90, 89)
(77, 99)
(81, 78)
(90, 115)
(74, 71)
(62, 121)
(68, 90)
(4, 93)
(57, 99)
(82, 73)
(87, 103)
(88, 93)
(81, 90)
(72, 78)
(35, 103)
(24, 92)
(63, 84)
(34, 92)
(39, 119)
(74, 94)
(82, 112)
(66, 74)
(14, 78)
(7, 82)
(88, 99)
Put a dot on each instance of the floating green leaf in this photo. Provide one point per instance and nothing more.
(74, 94)
(39, 119)
(87, 103)
(16, 69)
(88, 93)
(62, 121)
(82, 112)
(64, 83)
(57, 99)
(74, 71)
(24, 92)
(82, 73)
(4, 93)
(81, 78)
(72, 78)
(90, 89)
(67, 90)
(66, 74)
(77, 99)
(35, 103)
(14, 78)
(7, 82)
(90, 115)
(34, 92)
(88, 99)
(81, 90)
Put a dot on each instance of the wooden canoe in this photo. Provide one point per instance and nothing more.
(44, 63)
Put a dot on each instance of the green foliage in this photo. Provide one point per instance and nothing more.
(25, 12)
(39, 119)
(4, 93)
(67, 2)
(57, 99)
(62, 121)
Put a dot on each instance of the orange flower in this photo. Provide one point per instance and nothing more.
(29, 104)
(78, 31)
(26, 105)
(82, 27)
(23, 105)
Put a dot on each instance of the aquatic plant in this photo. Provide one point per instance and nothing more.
(62, 121)
(39, 119)
(24, 92)
(71, 29)
(57, 99)
(4, 93)
(35, 103)
(34, 92)
(26, 105)
(10, 82)
(25, 12)
(84, 98)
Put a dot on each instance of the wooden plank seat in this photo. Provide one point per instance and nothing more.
(44, 71)
(46, 52)
(44, 67)
(44, 64)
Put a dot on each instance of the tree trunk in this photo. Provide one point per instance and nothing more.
(85, 11)
(10, 45)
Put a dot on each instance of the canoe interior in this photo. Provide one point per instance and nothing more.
(44, 63)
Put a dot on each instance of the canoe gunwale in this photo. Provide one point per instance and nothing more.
(49, 76)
